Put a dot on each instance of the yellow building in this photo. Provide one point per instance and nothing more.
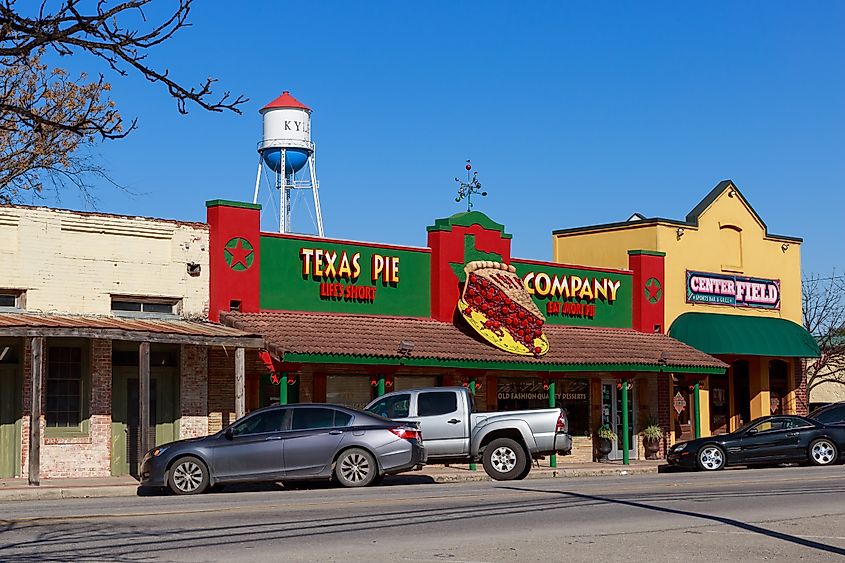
(729, 288)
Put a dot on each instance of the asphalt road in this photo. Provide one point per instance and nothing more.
(779, 514)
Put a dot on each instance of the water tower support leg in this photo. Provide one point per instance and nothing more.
(314, 189)
(283, 193)
(257, 180)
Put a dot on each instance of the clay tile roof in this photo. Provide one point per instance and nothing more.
(377, 336)
(120, 328)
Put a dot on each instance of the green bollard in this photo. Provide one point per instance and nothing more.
(553, 457)
(471, 387)
(625, 444)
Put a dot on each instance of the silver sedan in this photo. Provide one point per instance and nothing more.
(288, 443)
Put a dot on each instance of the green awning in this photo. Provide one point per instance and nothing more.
(749, 336)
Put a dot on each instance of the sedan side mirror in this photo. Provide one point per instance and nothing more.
(229, 434)
(752, 431)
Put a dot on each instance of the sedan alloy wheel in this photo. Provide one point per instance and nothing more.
(711, 458)
(822, 452)
(356, 468)
(188, 476)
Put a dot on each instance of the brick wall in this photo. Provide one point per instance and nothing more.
(800, 384)
(26, 397)
(193, 391)
(221, 387)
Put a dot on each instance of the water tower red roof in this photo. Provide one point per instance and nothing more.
(286, 101)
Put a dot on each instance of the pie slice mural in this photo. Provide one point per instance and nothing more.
(494, 303)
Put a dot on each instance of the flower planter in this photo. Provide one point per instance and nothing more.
(603, 447)
(651, 447)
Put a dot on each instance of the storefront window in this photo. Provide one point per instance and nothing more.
(719, 404)
(64, 387)
(571, 394)
(778, 385)
(742, 391)
(349, 390)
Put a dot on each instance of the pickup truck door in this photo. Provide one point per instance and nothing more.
(444, 420)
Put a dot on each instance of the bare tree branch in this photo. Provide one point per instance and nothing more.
(46, 116)
(823, 307)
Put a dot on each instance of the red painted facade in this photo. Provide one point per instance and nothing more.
(230, 288)
(448, 247)
(648, 287)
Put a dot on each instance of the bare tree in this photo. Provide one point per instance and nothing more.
(823, 305)
(47, 118)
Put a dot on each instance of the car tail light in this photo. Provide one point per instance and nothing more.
(562, 423)
(407, 433)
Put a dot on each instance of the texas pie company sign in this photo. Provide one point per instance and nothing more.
(733, 291)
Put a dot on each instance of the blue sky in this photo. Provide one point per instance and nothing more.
(573, 113)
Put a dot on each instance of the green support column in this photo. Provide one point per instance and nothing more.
(283, 389)
(697, 406)
(471, 387)
(380, 388)
(552, 404)
(625, 444)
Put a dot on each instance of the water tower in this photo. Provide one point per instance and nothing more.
(285, 151)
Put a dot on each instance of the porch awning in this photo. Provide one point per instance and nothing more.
(176, 331)
(722, 334)
(325, 338)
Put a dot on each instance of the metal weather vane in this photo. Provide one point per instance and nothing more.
(471, 186)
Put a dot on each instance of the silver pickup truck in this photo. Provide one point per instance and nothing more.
(452, 432)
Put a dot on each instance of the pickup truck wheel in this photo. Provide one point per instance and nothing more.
(504, 459)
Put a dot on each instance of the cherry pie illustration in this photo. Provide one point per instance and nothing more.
(494, 302)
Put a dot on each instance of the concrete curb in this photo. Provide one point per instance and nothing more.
(61, 493)
(455, 476)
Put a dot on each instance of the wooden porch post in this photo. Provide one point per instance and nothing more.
(240, 383)
(144, 396)
(35, 412)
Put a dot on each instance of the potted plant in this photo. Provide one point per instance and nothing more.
(652, 435)
(605, 437)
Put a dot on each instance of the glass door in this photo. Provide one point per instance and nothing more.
(611, 414)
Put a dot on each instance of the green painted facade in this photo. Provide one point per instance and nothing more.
(285, 286)
(586, 307)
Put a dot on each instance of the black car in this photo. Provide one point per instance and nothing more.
(288, 443)
(766, 440)
(831, 414)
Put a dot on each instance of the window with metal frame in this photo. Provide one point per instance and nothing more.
(152, 307)
(64, 387)
(11, 299)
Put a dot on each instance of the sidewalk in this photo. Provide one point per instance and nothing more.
(55, 489)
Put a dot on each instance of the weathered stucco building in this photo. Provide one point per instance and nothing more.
(94, 310)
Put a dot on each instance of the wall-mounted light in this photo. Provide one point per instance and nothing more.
(784, 246)
(731, 192)
(680, 232)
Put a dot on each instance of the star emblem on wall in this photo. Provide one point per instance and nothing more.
(239, 254)
(653, 290)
